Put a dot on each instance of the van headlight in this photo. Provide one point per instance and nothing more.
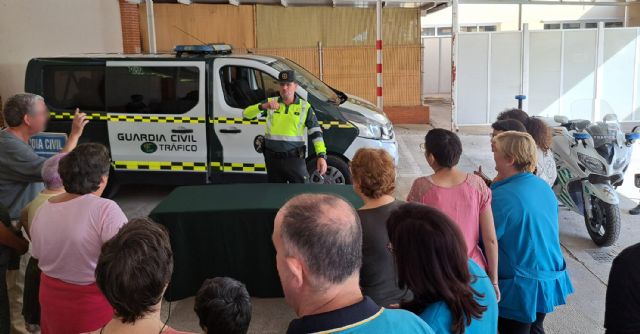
(370, 129)
(593, 164)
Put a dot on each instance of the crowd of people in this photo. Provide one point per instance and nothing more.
(462, 254)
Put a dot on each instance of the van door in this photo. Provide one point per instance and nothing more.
(157, 118)
(237, 84)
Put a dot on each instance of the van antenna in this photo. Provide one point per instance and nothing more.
(188, 34)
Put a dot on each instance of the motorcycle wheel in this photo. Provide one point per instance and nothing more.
(604, 227)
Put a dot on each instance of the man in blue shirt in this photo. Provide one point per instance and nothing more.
(318, 241)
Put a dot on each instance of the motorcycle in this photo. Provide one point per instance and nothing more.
(591, 159)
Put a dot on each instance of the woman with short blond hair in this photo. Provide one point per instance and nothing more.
(374, 180)
(518, 147)
(542, 135)
(532, 272)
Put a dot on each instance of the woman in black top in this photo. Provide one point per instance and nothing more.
(373, 174)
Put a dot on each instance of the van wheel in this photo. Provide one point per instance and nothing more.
(337, 171)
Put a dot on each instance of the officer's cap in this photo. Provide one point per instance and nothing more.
(287, 76)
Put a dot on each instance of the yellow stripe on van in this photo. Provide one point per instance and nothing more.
(238, 167)
(324, 124)
(177, 166)
(176, 119)
(229, 120)
(187, 166)
(131, 118)
(335, 124)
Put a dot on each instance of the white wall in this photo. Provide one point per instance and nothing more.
(436, 78)
(563, 71)
(40, 28)
(506, 16)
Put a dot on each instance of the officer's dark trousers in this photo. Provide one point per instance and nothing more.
(286, 170)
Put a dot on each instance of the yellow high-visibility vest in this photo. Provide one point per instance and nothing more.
(287, 123)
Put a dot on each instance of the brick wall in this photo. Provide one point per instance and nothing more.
(408, 114)
(131, 38)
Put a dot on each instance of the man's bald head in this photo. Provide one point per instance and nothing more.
(325, 232)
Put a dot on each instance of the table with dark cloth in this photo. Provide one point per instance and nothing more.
(225, 230)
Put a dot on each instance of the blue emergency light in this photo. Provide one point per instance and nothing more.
(214, 49)
(581, 136)
(632, 136)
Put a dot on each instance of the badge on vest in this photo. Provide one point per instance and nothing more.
(258, 144)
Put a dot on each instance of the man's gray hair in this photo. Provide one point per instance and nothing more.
(19, 105)
(324, 230)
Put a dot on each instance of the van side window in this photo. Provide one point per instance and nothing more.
(152, 90)
(245, 86)
(70, 87)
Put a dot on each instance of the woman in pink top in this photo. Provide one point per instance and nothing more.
(67, 234)
(464, 197)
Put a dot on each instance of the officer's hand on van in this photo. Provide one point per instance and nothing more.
(79, 121)
(271, 105)
(321, 166)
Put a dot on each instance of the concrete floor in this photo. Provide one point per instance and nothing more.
(588, 265)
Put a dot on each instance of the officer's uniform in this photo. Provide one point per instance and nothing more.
(285, 140)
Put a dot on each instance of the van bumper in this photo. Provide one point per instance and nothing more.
(391, 146)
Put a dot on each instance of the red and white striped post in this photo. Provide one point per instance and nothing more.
(379, 53)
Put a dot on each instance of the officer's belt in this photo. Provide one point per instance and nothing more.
(298, 152)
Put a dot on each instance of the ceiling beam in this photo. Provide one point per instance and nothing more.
(557, 2)
(424, 3)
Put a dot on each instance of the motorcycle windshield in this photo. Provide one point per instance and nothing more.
(604, 138)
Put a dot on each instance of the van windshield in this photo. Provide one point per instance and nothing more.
(307, 80)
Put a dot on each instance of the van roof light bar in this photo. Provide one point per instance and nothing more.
(206, 49)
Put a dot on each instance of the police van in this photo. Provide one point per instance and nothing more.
(177, 118)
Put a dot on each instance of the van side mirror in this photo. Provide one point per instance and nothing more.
(561, 119)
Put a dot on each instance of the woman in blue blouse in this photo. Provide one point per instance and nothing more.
(451, 293)
(532, 272)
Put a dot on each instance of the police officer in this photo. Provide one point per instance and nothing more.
(285, 142)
